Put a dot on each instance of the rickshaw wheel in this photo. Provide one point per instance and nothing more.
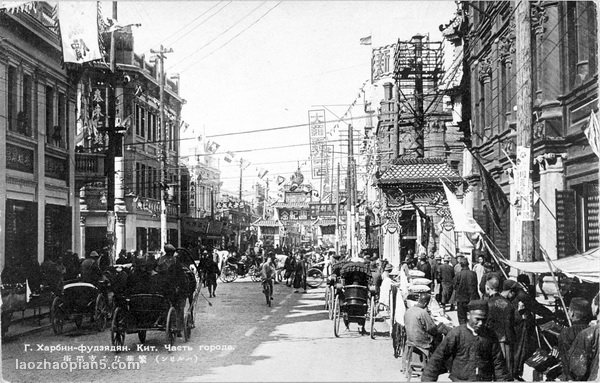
(170, 327)
(336, 317)
(100, 313)
(187, 327)
(57, 316)
(117, 329)
(142, 336)
(326, 304)
(331, 301)
(78, 321)
(372, 317)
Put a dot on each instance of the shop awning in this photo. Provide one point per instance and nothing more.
(585, 266)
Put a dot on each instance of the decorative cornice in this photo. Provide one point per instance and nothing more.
(506, 45)
(548, 160)
(485, 69)
(538, 17)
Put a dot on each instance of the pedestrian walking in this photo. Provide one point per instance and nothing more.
(580, 312)
(446, 281)
(501, 317)
(470, 351)
(465, 290)
(211, 273)
(583, 355)
(479, 269)
(424, 266)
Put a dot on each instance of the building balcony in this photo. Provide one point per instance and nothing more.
(89, 167)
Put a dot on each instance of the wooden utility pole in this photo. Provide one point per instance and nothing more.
(523, 182)
(160, 55)
(337, 212)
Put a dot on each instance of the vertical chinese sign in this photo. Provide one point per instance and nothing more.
(319, 153)
(382, 62)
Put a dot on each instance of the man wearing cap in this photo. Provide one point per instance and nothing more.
(445, 277)
(173, 281)
(471, 350)
(90, 271)
(424, 266)
(465, 289)
(580, 311)
(501, 318)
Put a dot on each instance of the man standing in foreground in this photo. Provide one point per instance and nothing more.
(465, 288)
(472, 349)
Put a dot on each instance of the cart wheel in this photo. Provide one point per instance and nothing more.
(78, 321)
(100, 313)
(142, 336)
(171, 326)
(336, 317)
(314, 277)
(254, 274)
(331, 301)
(57, 315)
(118, 327)
(372, 317)
(326, 303)
(228, 274)
(187, 326)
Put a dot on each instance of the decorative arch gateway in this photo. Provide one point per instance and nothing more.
(415, 206)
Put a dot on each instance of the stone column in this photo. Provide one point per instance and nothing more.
(39, 126)
(552, 177)
(120, 232)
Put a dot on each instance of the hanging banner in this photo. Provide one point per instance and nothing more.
(382, 62)
(523, 183)
(79, 31)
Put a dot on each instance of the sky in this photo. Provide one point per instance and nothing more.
(248, 65)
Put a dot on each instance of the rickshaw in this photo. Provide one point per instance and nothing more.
(77, 300)
(355, 298)
(143, 312)
(140, 313)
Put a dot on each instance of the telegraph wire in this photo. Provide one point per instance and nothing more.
(231, 39)
(193, 21)
(197, 50)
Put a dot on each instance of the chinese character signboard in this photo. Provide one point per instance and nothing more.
(322, 210)
(382, 62)
(318, 140)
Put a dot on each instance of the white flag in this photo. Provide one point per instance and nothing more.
(79, 31)
(462, 222)
(592, 132)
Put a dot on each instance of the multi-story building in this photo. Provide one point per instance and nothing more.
(416, 145)
(564, 88)
(38, 198)
(139, 155)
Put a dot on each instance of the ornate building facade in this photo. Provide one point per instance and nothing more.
(37, 125)
(564, 86)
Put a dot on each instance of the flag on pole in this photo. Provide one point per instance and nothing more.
(497, 203)
(280, 180)
(462, 222)
(262, 173)
(365, 40)
(79, 31)
(592, 132)
(229, 156)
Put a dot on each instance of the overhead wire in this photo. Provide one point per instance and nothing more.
(166, 40)
(197, 50)
(231, 39)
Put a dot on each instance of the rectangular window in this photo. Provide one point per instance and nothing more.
(137, 178)
(62, 120)
(49, 113)
(12, 98)
(138, 119)
(143, 123)
(143, 180)
(25, 121)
